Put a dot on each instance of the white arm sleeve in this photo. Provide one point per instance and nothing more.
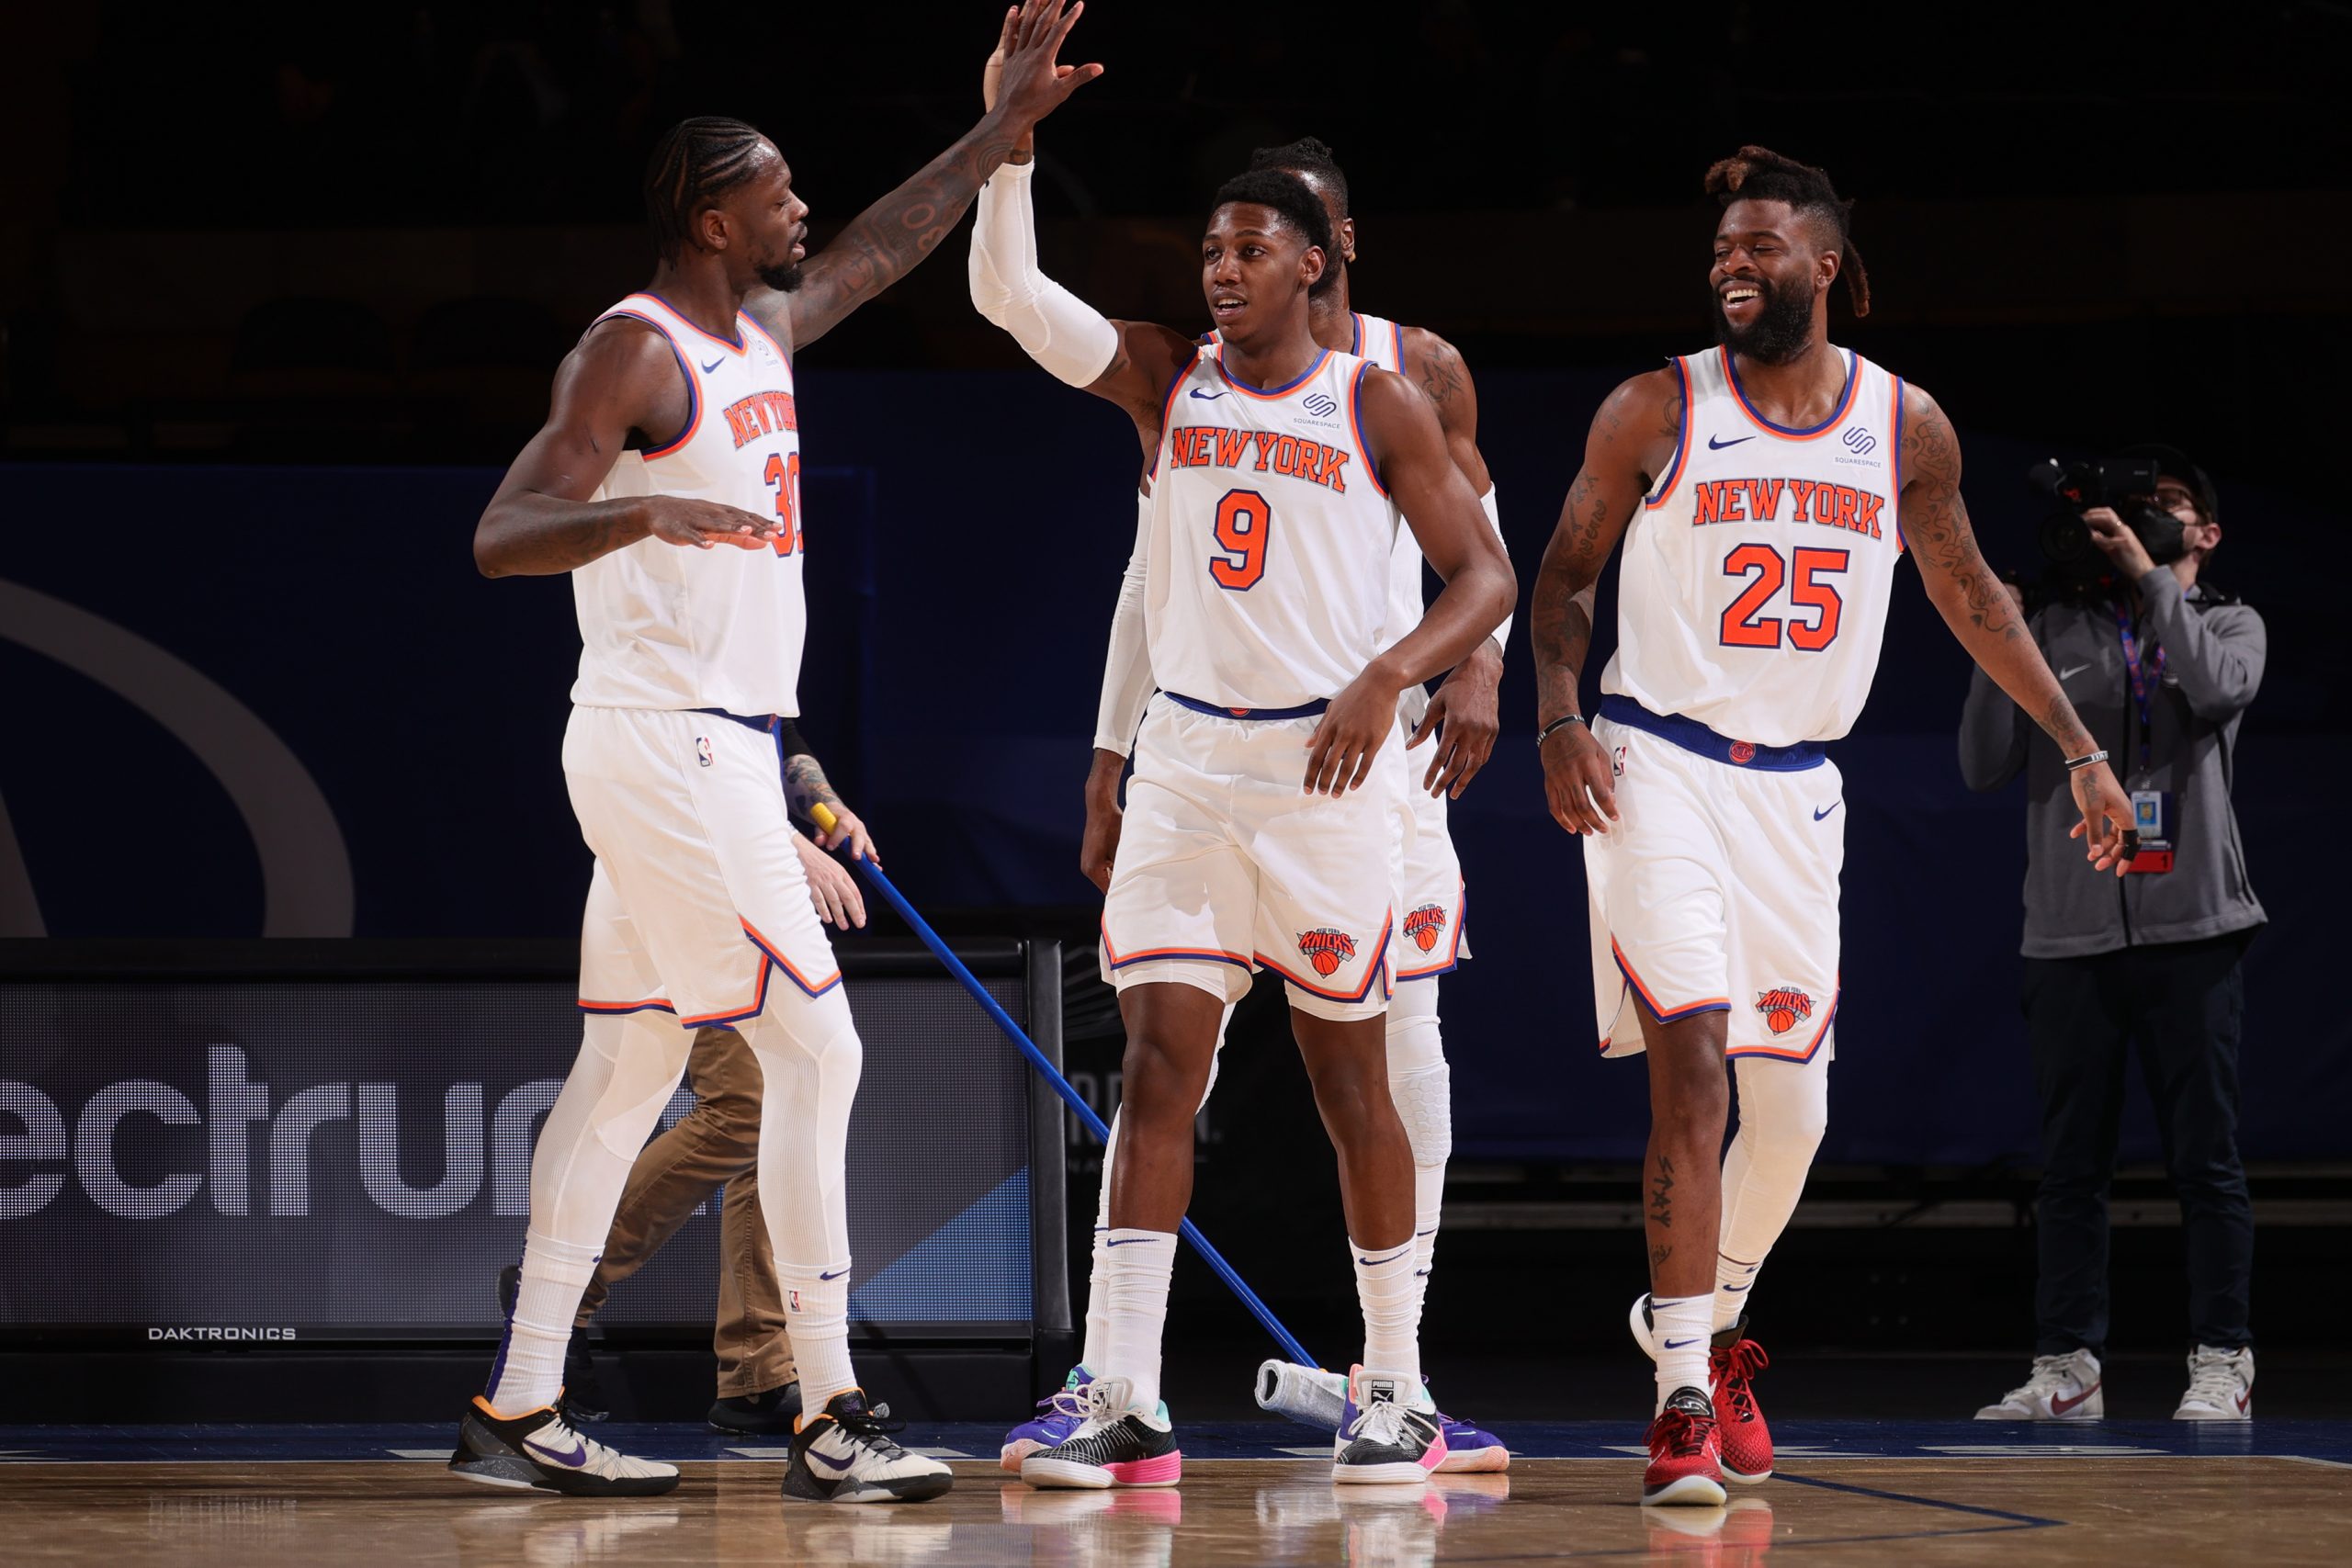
(1501, 634)
(1127, 685)
(1059, 331)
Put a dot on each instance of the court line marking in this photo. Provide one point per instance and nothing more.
(2023, 1521)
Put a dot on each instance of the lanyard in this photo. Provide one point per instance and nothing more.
(2145, 678)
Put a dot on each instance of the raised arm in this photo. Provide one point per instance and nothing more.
(622, 378)
(889, 238)
(1407, 448)
(1630, 444)
(1991, 624)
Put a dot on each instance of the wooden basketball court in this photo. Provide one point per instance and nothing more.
(1847, 1492)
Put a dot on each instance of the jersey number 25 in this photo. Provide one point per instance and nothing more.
(1766, 570)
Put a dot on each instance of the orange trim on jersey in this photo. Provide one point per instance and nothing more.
(1895, 506)
(1663, 1015)
(1355, 342)
(1355, 424)
(1681, 442)
(734, 1015)
(1396, 329)
(694, 399)
(748, 319)
(736, 349)
(1453, 958)
(776, 957)
(1837, 416)
(1766, 1053)
(660, 1004)
(1120, 961)
(1372, 970)
(1168, 410)
(1273, 394)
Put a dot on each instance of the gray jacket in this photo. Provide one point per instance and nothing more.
(2214, 651)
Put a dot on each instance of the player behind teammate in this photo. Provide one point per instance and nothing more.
(1277, 470)
(1758, 487)
(1463, 715)
(666, 483)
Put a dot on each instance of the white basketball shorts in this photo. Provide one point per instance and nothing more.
(1717, 890)
(1227, 866)
(1428, 930)
(698, 905)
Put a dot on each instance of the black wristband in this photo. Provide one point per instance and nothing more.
(2085, 760)
(1556, 726)
(788, 739)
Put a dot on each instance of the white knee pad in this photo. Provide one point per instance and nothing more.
(810, 1060)
(634, 1063)
(1418, 1079)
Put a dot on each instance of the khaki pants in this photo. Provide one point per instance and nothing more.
(716, 1142)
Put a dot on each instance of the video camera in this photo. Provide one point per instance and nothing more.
(2125, 484)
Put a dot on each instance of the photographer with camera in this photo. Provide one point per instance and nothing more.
(2165, 665)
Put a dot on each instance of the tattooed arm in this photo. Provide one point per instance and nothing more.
(1633, 440)
(889, 238)
(806, 787)
(622, 379)
(1990, 623)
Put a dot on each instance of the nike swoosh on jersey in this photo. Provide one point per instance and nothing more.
(1827, 809)
(1715, 445)
(713, 365)
(1207, 397)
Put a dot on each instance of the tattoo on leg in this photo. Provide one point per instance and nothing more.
(1661, 1209)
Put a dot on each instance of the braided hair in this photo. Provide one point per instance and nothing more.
(1759, 173)
(1288, 195)
(697, 162)
(1305, 156)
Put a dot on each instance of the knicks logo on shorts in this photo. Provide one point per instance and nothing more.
(1783, 1007)
(1327, 949)
(1426, 925)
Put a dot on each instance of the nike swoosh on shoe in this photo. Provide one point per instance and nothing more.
(572, 1461)
(2060, 1406)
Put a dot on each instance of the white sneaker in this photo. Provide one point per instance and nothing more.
(2220, 1386)
(844, 1454)
(2063, 1388)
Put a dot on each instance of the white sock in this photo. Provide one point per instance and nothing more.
(528, 1372)
(1429, 1205)
(1135, 1275)
(1732, 1279)
(815, 1317)
(1390, 1294)
(1678, 1328)
(1098, 1290)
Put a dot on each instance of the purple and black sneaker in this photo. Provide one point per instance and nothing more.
(1059, 1415)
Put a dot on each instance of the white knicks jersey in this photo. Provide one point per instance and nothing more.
(1270, 540)
(1753, 590)
(666, 626)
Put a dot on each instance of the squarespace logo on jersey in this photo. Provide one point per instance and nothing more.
(244, 1181)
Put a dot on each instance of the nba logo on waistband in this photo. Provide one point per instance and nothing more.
(702, 749)
(795, 1299)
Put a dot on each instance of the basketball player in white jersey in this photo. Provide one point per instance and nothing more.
(1765, 490)
(666, 482)
(1262, 822)
(1463, 714)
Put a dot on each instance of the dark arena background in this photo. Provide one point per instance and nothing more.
(291, 888)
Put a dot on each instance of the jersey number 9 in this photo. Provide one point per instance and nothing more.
(1243, 523)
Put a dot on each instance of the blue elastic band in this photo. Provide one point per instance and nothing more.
(1304, 710)
(1692, 736)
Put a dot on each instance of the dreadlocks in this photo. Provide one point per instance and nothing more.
(1759, 173)
(1305, 156)
(695, 163)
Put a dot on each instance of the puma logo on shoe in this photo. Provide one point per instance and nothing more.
(2060, 1406)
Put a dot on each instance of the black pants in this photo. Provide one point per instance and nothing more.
(2180, 1002)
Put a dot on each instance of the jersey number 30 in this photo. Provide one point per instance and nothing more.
(1243, 523)
(1745, 623)
(785, 474)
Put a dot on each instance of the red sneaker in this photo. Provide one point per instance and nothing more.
(1685, 1464)
(1746, 1441)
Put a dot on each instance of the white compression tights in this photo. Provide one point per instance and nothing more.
(1784, 1106)
(627, 1067)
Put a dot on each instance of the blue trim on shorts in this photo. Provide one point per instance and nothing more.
(1692, 736)
(764, 724)
(1304, 710)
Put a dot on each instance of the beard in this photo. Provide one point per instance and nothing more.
(784, 278)
(1782, 327)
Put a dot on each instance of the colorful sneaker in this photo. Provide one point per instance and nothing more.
(1118, 1444)
(1470, 1450)
(538, 1450)
(1380, 1439)
(1058, 1414)
(1685, 1465)
(2061, 1388)
(844, 1454)
(2220, 1386)
(1740, 1434)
